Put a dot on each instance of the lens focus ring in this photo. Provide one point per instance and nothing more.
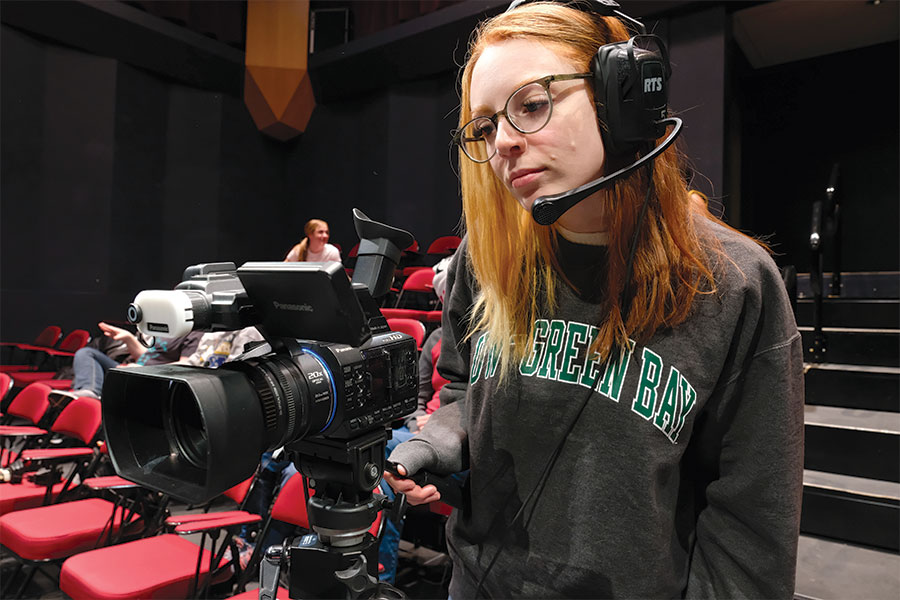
(291, 400)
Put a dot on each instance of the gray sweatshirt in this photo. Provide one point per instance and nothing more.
(681, 478)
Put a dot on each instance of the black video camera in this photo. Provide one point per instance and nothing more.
(326, 383)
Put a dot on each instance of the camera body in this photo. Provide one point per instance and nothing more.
(326, 384)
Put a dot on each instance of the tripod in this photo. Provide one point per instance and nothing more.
(337, 560)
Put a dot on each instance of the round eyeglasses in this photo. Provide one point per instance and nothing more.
(528, 110)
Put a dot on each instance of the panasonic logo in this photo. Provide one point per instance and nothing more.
(294, 307)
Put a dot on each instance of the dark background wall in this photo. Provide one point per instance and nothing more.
(801, 118)
(114, 179)
(116, 172)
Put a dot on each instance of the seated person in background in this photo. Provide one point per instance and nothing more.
(275, 469)
(315, 246)
(210, 349)
(430, 384)
(218, 347)
(91, 364)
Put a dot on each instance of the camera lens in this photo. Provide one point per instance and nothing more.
(196, 432)
(186, 427)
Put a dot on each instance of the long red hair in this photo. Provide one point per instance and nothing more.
(672, 264)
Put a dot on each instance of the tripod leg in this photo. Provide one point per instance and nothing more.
(270, 572)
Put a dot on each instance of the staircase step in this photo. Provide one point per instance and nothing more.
(851, 509)
(858, 486)
(864, 284)
(829, 570)
(861, 443)
(878, 347)
(853, 386)
(851, 312)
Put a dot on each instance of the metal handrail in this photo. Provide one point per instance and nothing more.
(825, 233)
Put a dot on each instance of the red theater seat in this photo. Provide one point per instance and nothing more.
(78, 423)
(444, 245)
(158, 567)
(57, 531)
(167, 566)
(25, 495)
(412, 327)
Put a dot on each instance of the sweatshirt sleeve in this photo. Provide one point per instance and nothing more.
(751, 439)
(442, 445)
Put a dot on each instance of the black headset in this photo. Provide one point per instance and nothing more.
(630, 82)
(631, 96)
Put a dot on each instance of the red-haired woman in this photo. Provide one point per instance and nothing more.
(633, 428)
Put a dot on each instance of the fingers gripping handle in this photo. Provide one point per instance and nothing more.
(450, 490)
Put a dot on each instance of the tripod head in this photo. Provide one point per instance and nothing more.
(339, 559)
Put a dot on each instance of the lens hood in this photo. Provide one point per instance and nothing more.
(188, 432)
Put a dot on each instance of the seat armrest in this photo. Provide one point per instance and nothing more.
(110, 482)
(201, 517)
(223, 523)
(55, 454)
(20, 430)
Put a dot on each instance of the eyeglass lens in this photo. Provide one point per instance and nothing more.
(528, 110)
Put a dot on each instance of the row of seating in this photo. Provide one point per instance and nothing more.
(442, 246)
(110, 538)
(78, 515)
(49, 352)
(410, 262)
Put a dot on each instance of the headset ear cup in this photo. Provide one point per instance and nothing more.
(630, 92)
(600, 100)
(606, 95)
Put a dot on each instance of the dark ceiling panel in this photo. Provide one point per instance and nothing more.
(123, 32)
(422, 47)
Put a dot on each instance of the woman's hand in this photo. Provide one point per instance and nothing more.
(415, 495)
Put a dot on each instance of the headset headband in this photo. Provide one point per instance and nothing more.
(604, 8)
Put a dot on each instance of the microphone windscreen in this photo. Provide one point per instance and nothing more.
(546, 213)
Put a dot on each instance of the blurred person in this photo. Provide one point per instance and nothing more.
(430, 383)
(90, 364)
(315, 246)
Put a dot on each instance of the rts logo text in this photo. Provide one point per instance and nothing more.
(653, 84)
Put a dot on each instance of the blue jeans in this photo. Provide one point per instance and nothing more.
(390, 540)
(90, 366)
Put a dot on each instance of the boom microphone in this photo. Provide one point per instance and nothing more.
(547, 209)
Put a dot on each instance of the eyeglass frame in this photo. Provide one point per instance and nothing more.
(495, 118)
